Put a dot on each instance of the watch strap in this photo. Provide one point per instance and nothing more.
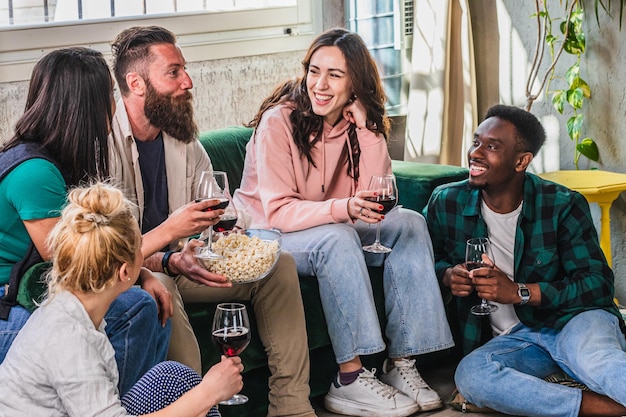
(165, 263)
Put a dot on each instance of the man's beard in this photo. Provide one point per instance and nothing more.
(174, 115)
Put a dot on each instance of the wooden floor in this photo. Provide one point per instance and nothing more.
(440, 380)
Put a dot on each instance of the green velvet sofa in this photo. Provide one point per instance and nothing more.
(416, 181)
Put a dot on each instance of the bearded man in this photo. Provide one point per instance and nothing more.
(157, 160)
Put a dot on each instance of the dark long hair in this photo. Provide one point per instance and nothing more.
(68, 112)
(366, 86)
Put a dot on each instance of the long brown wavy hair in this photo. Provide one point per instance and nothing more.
(366, 86)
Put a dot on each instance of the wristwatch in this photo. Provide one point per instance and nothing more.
(523, 292)
(165, 263)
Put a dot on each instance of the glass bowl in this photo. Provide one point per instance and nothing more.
(247, 255)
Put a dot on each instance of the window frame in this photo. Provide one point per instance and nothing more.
(231, 34)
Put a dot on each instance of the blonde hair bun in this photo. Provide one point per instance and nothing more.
(95, 235)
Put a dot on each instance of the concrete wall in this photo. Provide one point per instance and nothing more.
(226, 92)
(602, 67)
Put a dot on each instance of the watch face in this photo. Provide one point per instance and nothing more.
(525, 292)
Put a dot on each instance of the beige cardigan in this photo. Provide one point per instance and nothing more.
(183, 164)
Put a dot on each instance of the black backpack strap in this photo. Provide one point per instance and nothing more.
(31, 258)
(10, 159)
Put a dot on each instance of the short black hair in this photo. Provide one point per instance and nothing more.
(530, 131)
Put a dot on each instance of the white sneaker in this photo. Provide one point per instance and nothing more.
(368, 397)
(406, 379)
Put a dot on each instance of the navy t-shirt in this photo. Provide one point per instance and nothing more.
(154, 177)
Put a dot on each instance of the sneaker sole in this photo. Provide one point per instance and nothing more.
(351, 408)
(431, 406)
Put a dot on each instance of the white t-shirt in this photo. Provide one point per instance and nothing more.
(502, 236)
(60, 365)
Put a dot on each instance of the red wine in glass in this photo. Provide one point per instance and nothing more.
(231, 340)
(473, 265)
(231, 335)
(387, 202)
(223, 203)
(476, 250)
(227, 222)
(386, 195)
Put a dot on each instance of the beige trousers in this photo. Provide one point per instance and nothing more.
(277, 305)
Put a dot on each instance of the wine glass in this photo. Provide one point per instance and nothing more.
(228, 220)
(385, 186)
(231, 334)
(213, 185)
(476, 252)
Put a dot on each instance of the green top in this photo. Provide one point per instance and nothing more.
(34, 190)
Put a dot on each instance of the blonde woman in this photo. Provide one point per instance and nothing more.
(62, 363)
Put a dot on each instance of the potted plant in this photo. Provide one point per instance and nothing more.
(571, 91)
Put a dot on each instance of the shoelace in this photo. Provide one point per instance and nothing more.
(409, 373)
(380, 388)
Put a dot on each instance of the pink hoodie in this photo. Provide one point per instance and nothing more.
(281, 190)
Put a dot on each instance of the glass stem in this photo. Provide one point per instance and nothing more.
(210, 238)
(377, 234)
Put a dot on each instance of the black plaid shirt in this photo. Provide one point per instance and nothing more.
(556, 245)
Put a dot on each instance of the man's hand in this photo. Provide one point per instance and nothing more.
(161, 295)
(185, 263)
(494, 285)
(193, 218)
(188, 220)
(458, 280)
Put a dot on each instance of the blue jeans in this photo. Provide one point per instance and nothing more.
(133, 328)
(506, 372)
(9, 328)
(416, 320)
(135, 332)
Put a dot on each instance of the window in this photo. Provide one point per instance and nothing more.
(206, 29)
(386, 27)
(28, 12)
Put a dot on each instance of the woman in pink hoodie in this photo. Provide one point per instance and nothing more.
(317, 142)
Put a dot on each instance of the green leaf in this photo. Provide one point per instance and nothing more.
(589, 148)
(582, 84)
(559, 98)
(575, 98)
(574, 126)
(572, 73)
(551, 39)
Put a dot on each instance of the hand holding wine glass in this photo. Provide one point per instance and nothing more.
(387, 197)
(478, 254)
(213, 186)
(231, 334)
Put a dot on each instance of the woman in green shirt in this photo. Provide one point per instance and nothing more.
(68, 114)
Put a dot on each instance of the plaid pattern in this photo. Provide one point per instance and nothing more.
(556, 245)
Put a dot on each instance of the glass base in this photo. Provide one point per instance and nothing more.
(376, 247)
(236, 399)
(483, 309)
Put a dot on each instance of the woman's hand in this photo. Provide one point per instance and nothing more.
(224, 379)
(361, 209)
(161, 295)
(355, 113)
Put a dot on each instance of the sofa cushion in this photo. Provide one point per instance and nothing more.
(227, 150)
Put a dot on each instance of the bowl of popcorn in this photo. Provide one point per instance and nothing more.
(244, 255)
